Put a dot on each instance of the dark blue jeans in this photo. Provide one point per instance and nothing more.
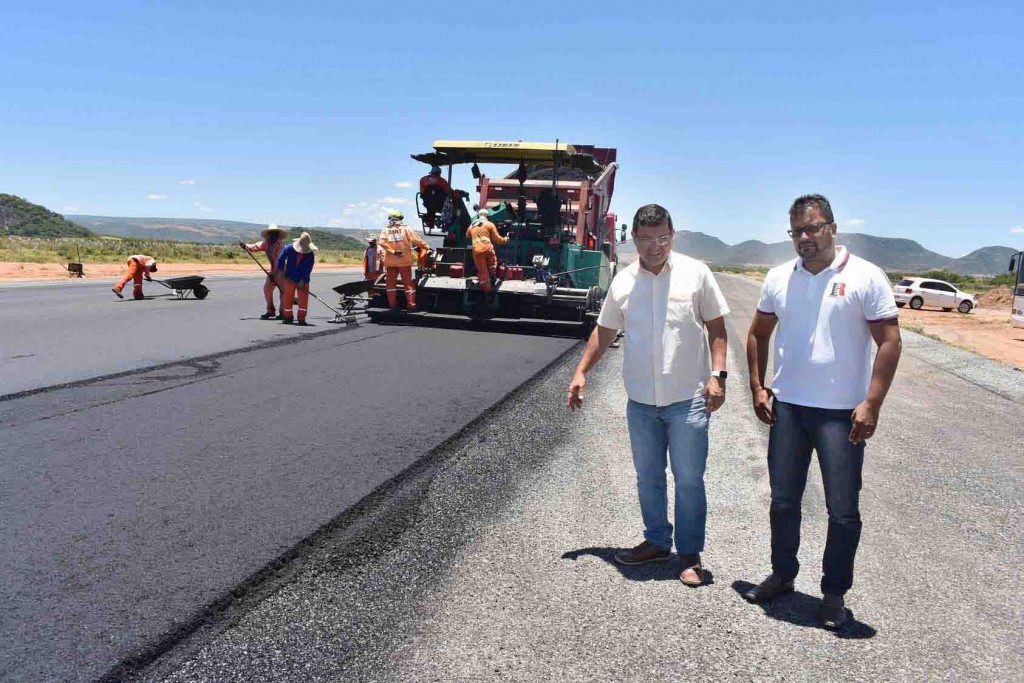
(797, 431)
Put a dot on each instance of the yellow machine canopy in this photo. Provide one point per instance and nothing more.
(499, 152)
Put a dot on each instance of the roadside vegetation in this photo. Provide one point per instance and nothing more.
(117, 250)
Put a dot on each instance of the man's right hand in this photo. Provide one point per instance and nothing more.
(576, 391)
(762, 397)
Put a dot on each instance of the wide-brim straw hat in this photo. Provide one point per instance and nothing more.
(371, 238)
(273, 228)
(304, 245)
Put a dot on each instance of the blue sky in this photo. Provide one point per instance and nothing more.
(907, 115)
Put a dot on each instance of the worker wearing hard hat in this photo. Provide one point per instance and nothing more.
(373, 259)
(398, 242)
(139, 266)
(434, 189)
(296, 265)
(483, 235)
(273, 245)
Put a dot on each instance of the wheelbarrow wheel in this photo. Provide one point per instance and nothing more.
(200, 291)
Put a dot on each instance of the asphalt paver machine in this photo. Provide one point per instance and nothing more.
(553, 206)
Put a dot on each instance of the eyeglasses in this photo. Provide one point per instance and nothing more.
(810, 230)
(648, 241)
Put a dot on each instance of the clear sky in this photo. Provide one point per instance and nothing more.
(909, 116)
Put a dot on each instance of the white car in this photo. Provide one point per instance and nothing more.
(922, 291)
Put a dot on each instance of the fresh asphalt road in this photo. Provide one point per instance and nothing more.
(495, 563)
(60, 332)
(131, 506)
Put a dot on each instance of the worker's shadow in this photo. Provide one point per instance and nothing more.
(652, 571)
(801, 609)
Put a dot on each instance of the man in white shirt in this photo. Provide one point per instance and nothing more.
(665, 301)
(825, 395)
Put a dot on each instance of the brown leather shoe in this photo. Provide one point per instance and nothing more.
(642, 554)
(692, 572)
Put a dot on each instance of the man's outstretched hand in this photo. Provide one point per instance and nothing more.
(576, 391)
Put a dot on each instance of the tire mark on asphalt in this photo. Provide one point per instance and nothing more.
(205, 370)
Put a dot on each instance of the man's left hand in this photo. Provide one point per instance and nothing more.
(714, 394)
(865, 419)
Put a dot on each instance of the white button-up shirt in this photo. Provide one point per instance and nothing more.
(666, 354)
(823, 342)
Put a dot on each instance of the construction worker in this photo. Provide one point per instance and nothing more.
(398, 242)
(273, 245)
(434, 189)
(139, 266)
(483, 235)
(373, 259)
(296, 265)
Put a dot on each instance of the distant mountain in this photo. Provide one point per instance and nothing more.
(892, 254)
(22, 218)
(208, 231)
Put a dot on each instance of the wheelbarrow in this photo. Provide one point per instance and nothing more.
(355, 296)
(185, 285)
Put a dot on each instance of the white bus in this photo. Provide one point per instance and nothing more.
(1017, 267)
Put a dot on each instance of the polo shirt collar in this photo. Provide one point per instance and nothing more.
(838, 263)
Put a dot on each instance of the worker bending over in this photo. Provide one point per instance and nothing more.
(139, 266)
(296, 265)
(484, 236)
(273, 245)
(398, 242)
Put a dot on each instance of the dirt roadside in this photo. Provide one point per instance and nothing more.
(986, 331)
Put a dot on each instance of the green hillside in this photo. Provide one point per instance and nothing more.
(328, 239)
(21, 218)
(209, 231)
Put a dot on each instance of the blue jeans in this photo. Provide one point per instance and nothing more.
(797, 431)
(679, 431)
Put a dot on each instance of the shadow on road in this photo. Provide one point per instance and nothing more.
(801, 609)
(652, 571)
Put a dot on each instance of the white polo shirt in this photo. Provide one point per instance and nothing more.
(666, 355)
(822, 342)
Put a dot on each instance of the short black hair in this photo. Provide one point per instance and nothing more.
(651, 214)
(816, 201)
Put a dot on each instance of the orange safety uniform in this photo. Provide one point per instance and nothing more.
(274, 280)
(484, 236)
(138, 265)
(428, 181)
(373, 262)
(398, 240)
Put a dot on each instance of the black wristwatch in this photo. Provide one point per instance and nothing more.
(720, 374)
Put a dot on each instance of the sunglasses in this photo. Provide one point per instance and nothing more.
(810, 230)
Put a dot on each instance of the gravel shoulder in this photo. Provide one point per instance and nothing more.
(493, 562)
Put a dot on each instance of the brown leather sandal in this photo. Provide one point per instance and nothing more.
(692, 572)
